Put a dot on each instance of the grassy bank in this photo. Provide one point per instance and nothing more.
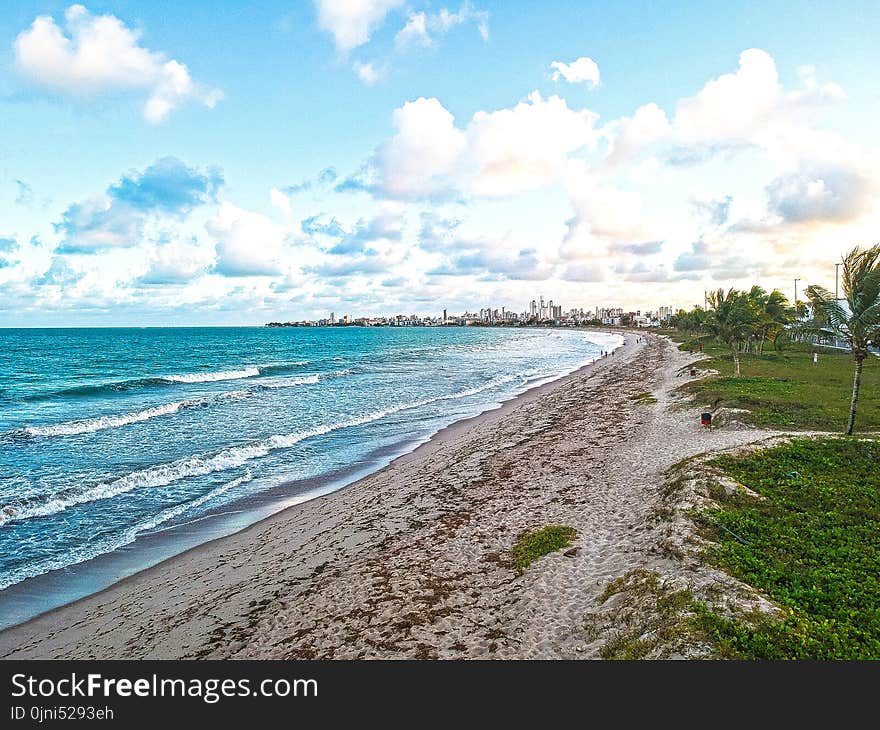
(812, 544)
(785, 389)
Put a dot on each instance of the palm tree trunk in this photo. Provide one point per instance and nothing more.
(857, 383)
(735, 362)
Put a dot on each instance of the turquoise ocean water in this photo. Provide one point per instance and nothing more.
(109, 437)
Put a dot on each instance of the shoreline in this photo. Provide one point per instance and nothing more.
(120, 566)
(413, 561)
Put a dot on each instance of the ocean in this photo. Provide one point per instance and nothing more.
(116, 443)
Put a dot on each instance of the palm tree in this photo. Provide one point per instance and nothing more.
(771, 314)
(731, 321)
(855, 318)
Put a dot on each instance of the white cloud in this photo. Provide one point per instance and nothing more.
(527, 146)
(367, 72)
(734, 107)
(835, 192)
(498, 154)
(814, 92)
(352, 22)
(280, 200)
(630, 135)
(99, 54)
(602, 211)
(583, 272)
(582, 71)
(176, 262)
(248, 243)
(423, 29)
(420, 160)
(415, 32)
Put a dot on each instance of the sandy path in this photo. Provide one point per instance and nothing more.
(412, 561)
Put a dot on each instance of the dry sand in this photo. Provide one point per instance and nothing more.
(413, 561)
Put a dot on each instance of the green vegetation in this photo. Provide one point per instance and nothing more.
(643, 398)
(533, 545)
(857, 318)
(741, 322)
(812, 544)
(652, 619)
(785, 390)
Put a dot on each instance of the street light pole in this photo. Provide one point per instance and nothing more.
(795, 298)
(836, 276)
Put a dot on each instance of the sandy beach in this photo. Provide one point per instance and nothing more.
(413, 561)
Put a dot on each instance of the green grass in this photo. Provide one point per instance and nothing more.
(533, 545)
(643, 398)
(812, 544)
(652, 619)
(785, 390)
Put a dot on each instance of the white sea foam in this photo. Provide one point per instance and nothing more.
(213, 376)
(162, 475)
(93, 549)
(99, 423)
(290, 382)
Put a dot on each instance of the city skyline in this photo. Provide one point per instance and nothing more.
(537, 311)
(183, 166)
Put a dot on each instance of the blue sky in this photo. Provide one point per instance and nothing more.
(170, 163)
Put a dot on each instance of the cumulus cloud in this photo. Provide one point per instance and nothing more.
(582, 71)
(167, 186)
(814, 92)
(630, 135)
(833, 192)
(527, 146)
(176, 262)
(96, 224)
(248, 243)
(747, 108)
(422, 157)
(99, 54)
(59, 273)
(734, 106)
(498, 154)
(601, 210)
(424, 29)
(116, 219)
(352, 22)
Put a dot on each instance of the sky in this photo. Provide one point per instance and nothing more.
(198, 163)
